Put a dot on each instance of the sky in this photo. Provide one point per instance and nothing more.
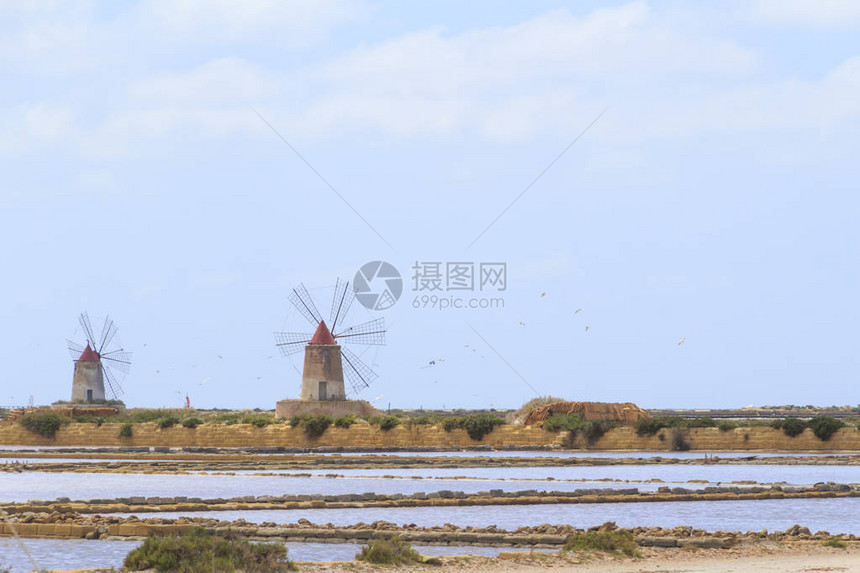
(685, 173)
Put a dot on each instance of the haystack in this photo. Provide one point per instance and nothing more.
(624, 413)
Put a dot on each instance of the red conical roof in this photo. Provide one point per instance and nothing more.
(88, 355)
(322, 335)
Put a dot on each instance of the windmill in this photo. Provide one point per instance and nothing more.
(99, 365)
(327, 361)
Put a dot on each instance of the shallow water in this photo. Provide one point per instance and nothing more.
(836, 515)
(794, 474)
(79, 553)
(471, 454)
(590, 454)
(50, 485)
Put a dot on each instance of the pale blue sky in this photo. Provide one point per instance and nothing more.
(715, 200)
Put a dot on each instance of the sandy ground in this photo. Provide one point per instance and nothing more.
(755, 559)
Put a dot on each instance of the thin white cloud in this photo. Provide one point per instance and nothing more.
(34, 126)
(822, 13)
(547, 76)
(221, 81)
(294, 21)
(510, 83)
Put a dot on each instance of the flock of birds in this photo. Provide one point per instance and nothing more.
(430, 364)
(437, 361)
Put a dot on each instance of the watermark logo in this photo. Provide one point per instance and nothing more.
(377, 285)
(436, 284)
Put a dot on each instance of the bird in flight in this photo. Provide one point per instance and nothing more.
(543, 294)
(586, 328)
(578, 311)
(522, 323)
(680, 342)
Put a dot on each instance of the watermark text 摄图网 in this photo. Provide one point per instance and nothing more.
(440, 285)
(436, 302)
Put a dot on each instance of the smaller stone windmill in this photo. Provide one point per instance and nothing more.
(328, 363)
(99, 365)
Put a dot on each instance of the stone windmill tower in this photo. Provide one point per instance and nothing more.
(328, 362)
(98, 366)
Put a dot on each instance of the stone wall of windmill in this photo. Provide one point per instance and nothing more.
(88, 384)
(322, 378)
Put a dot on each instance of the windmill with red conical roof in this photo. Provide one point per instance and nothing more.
(100, 365)
(327, 362)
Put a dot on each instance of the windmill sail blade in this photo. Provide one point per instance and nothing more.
(305, 304)
(108, 332)
(118, 359)
(75, 349)
(113, 386)
(371, 332)
(290, 343)
(340, 302)
(84, 319)
(357, 373)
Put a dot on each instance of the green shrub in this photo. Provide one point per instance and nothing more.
(258, 420)
(727, 425)
(563, 422)
(97, 420)
(315, 426)
(228, 419)
(388, 422)
(125, 431)
(679, 442)
(201, 552)
(168, 422)
(344, 421)
(391, 551)
(479, 425)
(594, 430)
(146, 415)
(295, 421)
(452, 423)
(833, 541)
(191, 423)
(791, 427)
(650, 426)
(704, 422)
(618, 541)
(825, 426)
(45, 424)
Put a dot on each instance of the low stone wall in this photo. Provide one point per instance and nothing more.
(713, 439)
(363, 435)
(443, 498)
(546, 536)
(247, 436)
